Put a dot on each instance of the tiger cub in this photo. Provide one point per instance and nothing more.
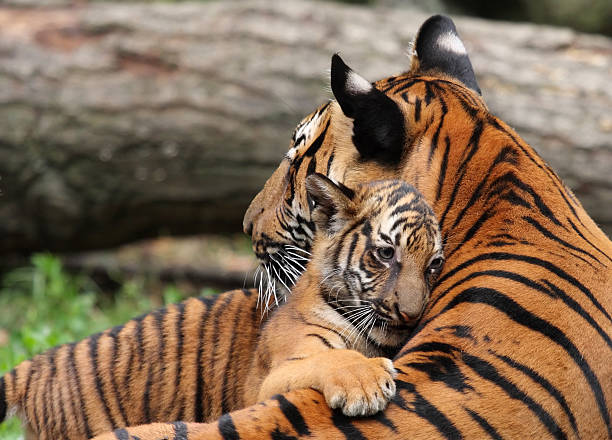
(376, 252)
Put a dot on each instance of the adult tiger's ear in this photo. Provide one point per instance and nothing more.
(378, 123)
(331, 203)
(440, 49)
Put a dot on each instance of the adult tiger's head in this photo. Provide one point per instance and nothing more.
(371, 131)
(378, 250)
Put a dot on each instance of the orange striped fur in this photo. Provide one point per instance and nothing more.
(516, 341)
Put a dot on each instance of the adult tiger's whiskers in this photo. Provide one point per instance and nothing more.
(282, 270)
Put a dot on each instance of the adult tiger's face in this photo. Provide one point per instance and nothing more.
(372, 131)
(378, 250)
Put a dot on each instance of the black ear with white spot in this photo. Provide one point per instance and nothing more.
(439, 48)
(378, 127)
(332, 203)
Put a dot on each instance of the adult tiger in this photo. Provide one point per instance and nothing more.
(516, 342)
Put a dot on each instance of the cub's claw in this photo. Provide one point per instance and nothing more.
(362, 388)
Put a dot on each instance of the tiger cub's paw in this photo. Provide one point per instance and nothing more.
(362, 388)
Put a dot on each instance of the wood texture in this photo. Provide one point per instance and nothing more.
(121, 121)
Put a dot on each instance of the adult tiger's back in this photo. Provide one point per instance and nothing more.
(516, 341)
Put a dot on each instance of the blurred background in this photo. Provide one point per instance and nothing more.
(134, 135)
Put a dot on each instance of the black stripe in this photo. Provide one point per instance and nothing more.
(50, 421)
(34, 405)
(113, 333)
(68, 387)
(471, 107)
(514, 199)
(473, 147)
(426, 410)
(548, 289)
(322, 339)
(121, 434)
(215, 362)
(339, 334)
(501, 256)
(506, 155)
(227, 429)
(59, 399)
(417, 109)
(3, 404)
(429, 95)
(500, 243)
(226, 404)
(160, 379)
(473, 230)
(552, 390)
(345, 426)
(434, 140)
(336, 254)
(199, 415)
(146, 395)
(329, 163)
(179, 355)
(546, 168)
(575, 228)
(75, 373)
(277, 434)
(292, 414)
(352, 247)
(180, 431)
(442, 369)
(573, 254)
(139, 344)
(484, 425)
(93, 353)
(503, 182)
(443, 166)
(578, 309)
(314, 147)
(533, 222)
(381, 418)
(406, 84)
(489, 372)
(429, 347)
(312, 166)
(522, 316)
(399, 190)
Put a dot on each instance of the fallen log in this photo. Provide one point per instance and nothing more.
(121, 121)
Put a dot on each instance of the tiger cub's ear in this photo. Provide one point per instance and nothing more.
(378, 123)
(331, 203)
(440, 49)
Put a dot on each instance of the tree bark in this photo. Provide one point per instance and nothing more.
(121, 121)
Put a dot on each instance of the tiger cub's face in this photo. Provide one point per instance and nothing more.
(377, 248)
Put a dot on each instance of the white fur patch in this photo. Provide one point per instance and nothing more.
(357, 84)
(304, 133)
(332, 317)
(450, 42)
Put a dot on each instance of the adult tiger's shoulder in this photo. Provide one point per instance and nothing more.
(517, 339)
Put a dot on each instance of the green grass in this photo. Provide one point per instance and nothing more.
(42, 306)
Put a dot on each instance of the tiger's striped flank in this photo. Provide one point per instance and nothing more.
(184, 362)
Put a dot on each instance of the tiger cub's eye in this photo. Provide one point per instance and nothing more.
(385, 253)
(435, 266)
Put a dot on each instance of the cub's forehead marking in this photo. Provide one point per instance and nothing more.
(304, 133)
(450, 42)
